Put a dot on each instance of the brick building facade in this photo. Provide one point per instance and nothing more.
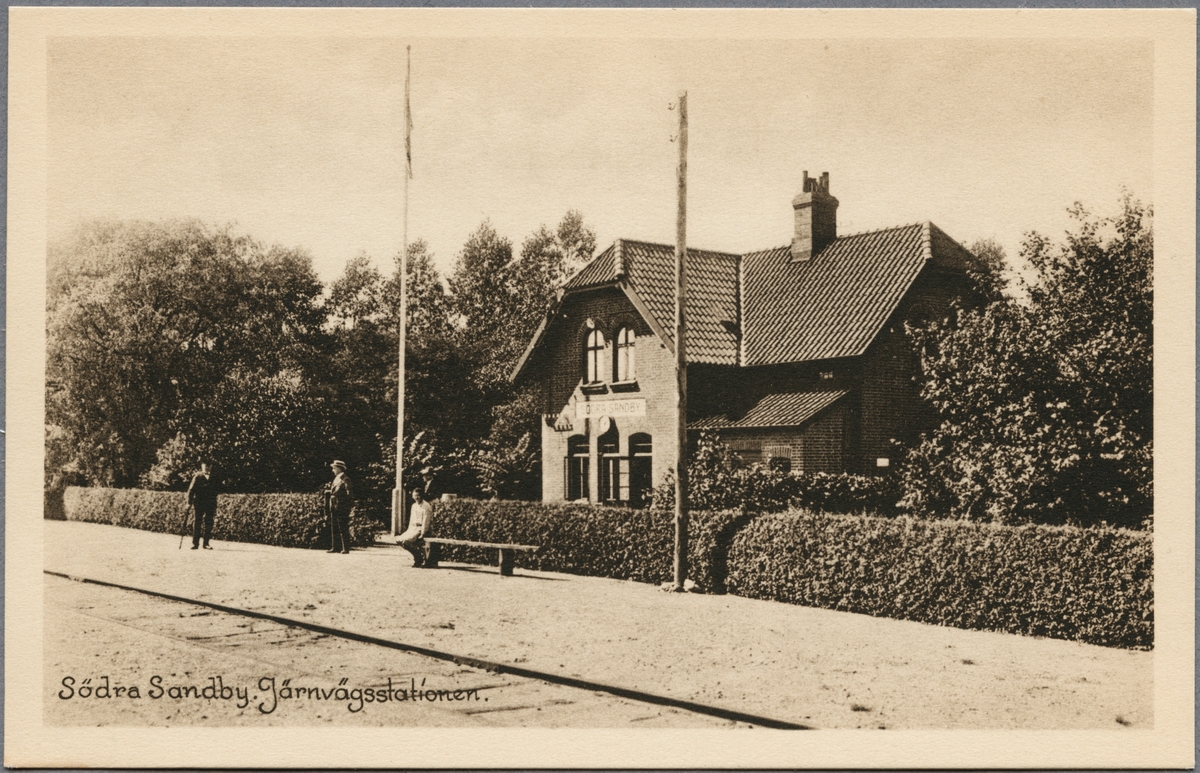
(797, 355)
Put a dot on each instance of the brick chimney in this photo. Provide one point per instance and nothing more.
(816, 217)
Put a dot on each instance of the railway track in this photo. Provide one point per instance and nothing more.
(484, 665)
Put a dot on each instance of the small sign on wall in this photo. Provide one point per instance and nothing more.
(610, 408)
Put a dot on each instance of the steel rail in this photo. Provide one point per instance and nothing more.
(466, 660)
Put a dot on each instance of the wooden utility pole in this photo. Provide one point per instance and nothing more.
(398, 492)
(681, 487)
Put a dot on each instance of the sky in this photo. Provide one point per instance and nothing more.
(299, 141)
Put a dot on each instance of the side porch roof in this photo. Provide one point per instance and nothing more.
(777, 409)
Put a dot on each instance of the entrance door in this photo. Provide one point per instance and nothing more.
(640, 467)
(575, 468)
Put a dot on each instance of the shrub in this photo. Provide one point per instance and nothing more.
(52, 504)
(286, 520)
(717, 480)
(846, 493)
(1092, 585)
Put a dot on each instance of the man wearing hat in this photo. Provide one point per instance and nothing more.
(202, 496)
(341, 502)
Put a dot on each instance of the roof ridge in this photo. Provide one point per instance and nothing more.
(927, 240)
(925, 224)
(851, 235)
(722, 253)
(881, 230)
(934, 227)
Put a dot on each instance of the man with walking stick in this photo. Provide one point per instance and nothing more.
(339, 501)
(202, 497)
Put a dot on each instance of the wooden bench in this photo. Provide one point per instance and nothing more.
(507, 551)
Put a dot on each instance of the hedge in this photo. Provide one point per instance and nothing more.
(286, 520)
(600, 541)
(1092, 585)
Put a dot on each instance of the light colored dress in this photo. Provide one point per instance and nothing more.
(419, 519)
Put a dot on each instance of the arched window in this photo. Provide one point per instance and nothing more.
(614, 471)
(595, 357)
(626, 363)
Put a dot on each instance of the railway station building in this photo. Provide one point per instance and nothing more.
(797, 355)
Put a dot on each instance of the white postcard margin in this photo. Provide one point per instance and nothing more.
(1168, 745)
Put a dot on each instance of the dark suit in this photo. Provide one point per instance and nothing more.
(341, 502)
(202, 495)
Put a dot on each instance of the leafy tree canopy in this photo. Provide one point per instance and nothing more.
(1046, 404)
(145, 319)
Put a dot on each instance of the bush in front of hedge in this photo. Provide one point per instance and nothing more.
(718, 480)
(1092, 585)
(286, 520)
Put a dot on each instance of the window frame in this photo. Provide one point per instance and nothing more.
(625, 355)
(577, 468)
(594, 347)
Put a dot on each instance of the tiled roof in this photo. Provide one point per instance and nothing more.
(712, 293)
(833, 304)
(782, 409)
(599, 271)
(830, 306)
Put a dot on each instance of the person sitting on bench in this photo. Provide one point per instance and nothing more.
(419, 519)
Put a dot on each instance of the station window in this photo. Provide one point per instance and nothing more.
(778, 457)
(626, 361)
(595, 357)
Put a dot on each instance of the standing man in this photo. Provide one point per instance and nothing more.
(420, 517)
(341, 502)
(202, 497)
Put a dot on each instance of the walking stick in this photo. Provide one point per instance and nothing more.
(183, 529)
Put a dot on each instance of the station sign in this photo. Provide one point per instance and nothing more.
(614, 408)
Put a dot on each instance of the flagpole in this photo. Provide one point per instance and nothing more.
(681, 483)
(398, 492)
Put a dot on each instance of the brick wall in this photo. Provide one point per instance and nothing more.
(890, 404)
(825, 439)
(883, 401)
(560, 367)
(818, 446)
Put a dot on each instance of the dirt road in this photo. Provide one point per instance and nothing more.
(811, 667)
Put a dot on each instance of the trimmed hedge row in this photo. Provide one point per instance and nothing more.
(1092, 585)
(286, 520)
(618, 542)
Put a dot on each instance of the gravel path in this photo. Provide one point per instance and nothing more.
(807, 666)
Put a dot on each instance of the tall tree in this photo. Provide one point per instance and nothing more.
(145, 320)
(440, 394)
(428, 306)
(482, 283)
(518, 291)
(357, 295)
(1046, 401)
(548, 259)
(989, 269)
